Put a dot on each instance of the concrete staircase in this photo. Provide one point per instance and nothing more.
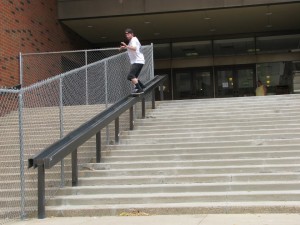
(230, 155)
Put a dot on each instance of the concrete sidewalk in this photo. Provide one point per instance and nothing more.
(211, 219)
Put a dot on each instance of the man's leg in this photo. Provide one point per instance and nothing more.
(135, 70)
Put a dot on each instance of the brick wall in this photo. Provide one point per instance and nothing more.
(31, 26)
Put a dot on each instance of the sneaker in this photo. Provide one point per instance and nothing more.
(137, 91)
(134, 90)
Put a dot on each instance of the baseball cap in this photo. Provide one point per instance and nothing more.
(128, 30)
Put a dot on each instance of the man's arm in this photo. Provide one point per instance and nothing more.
(125, 46)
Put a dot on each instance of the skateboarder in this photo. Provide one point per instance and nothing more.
(137, 60)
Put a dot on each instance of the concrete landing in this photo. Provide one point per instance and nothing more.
(205, 219)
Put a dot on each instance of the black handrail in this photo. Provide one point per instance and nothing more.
(56, 152)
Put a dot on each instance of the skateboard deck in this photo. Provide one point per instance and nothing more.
(137, 94)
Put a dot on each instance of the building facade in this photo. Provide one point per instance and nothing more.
(31, 26)
(207, 48)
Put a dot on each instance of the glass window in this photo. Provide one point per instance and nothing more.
(273, 44)
(243, 46)
(274, 75)
(162, 51)
(192, 49)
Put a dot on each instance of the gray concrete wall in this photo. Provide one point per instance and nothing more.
(101, 8)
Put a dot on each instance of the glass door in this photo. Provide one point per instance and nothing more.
(236, 81)
(226, 84)
(246, 81)
(193, 83)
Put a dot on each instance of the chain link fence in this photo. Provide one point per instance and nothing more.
(78, 86)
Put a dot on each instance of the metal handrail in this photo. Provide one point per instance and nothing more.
(56, 152)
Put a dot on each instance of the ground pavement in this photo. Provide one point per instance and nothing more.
(211, 219)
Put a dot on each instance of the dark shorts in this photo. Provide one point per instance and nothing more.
(135, 70)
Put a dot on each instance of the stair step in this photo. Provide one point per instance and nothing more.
(179, 179)
(175, 208)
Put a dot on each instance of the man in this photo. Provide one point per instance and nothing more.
(137, 60)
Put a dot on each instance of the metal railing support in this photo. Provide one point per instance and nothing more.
(143, 108)
(67, 145)
(98, 147)
(117, 129)
(161, 91)
(74, 168)
(41, 191)
(131, 125)
(153, 99)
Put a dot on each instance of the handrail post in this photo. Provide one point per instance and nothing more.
(131, 125)
(98, 147)
(153, 99)
(143, 108)
(117, 128)
(41, 191)
(74, 168)
(161, 91)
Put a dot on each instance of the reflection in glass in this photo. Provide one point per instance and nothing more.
(273, 44)
(242, 46)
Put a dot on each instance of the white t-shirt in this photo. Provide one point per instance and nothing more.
(135, 56)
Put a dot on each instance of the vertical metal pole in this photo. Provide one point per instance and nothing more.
(214, 80)
(143, 108)
(22, 165)
(106, 99)
(21, 68)
(153, 99)
(41, 191)
(61, 126)
(74, 168)
(131, 125)
(171, 71)
(161, 91)
(86, 79)
(117, 128)
(98, 147)
(152, 62)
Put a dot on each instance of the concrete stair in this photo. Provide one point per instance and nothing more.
(230, 155)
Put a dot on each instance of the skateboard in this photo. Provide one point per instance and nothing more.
(137, 94)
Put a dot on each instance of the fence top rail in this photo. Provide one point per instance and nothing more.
(63, 147)
(9, 91)
(62, 75)
(73, 51)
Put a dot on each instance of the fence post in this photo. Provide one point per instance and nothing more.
(21, 68)
(152, 62)
(61, 125)
(86, 79)
(22, 166)
(106, 99)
